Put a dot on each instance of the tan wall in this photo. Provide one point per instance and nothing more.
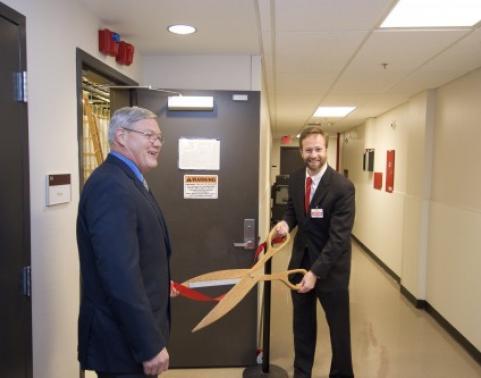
(52, 118)
(454, 259)
(427, 231)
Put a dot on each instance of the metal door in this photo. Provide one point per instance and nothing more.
(203, 230)
(291, 160)
(15, 325)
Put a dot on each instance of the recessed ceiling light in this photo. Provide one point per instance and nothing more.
(333, 111)
(433, 13)
(181, 29)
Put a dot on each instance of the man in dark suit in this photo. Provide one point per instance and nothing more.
(124, 250)
(321, 205)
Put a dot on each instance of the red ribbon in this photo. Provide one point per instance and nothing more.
(198, 296)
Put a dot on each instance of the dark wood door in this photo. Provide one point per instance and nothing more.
(203, 230)
(15, 324)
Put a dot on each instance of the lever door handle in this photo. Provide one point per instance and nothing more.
(246, 245)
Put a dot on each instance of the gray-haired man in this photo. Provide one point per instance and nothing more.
(124, 250)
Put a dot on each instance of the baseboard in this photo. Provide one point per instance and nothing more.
(456, 335)
(424, 305)
(377, 259)
(418, 303)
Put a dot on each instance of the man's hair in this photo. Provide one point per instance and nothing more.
(311, 131)
(126, 117)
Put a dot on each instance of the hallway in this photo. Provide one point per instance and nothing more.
(390, 337)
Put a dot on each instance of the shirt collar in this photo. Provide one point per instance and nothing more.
(129, 164)
(317, 177)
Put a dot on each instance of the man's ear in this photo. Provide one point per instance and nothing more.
(119, 136)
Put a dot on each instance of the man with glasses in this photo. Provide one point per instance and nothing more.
(124, 250)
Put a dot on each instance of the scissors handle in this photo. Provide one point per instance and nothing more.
(284, 277)
(270, 249)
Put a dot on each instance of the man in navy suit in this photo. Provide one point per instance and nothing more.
(124, 250)
(321, 205)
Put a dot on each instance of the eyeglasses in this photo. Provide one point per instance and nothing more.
(152, 137)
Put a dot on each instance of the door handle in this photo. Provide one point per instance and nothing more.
(245, 245)
(249, 242)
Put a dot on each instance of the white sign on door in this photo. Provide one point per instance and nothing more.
(201, 186)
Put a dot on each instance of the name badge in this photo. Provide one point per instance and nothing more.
(317, 213)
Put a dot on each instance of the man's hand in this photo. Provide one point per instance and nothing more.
(158, 364)
(281, 228)
(173, 291)
(308, 282)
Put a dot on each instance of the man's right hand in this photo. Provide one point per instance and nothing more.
(158, 364)
(281, 228)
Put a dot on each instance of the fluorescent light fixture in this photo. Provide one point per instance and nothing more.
(181, 29)
(433, 13)
(190, 103)
(333, 111)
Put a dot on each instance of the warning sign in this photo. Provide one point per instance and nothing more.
(201, 186)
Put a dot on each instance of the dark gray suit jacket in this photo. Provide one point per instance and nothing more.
(124, 254)
(326, 240)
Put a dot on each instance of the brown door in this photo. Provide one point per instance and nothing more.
(203, 230)
(15, 304)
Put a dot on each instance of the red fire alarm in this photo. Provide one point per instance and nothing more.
(125, 54)
(110, 44)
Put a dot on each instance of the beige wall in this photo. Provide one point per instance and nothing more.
(454, 259)
(427, 231)
(229, 72)
(55, 28)
(264, 171)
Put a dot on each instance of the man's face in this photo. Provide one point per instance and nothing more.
(314, 152)
(142, 149)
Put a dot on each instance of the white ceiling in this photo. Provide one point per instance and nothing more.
(314, 52)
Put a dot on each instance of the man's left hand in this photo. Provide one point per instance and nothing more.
(308, 282)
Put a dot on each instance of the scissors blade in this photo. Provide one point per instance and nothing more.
(230, 300)
(217, 276)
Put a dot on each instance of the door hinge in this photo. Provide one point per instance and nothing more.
(21, 86)
(27, 281)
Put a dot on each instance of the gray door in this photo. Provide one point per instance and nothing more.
(15, 325)
(203, 230)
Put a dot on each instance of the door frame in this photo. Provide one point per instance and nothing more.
(20, 20)
(85, 60)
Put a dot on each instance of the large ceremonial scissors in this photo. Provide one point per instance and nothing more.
(248, 278)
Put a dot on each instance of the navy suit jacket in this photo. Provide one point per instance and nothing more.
(325, 240)
(124, 254)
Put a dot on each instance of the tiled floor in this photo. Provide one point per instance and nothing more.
(390, 338)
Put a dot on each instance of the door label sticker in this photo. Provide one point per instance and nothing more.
(201, 186)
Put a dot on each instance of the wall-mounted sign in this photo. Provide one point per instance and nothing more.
(58, 189)
(201, 186)
(199, 154)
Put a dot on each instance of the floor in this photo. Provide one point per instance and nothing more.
(390, 337)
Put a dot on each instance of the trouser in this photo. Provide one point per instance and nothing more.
(336, 307)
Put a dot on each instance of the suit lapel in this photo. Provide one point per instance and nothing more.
(139, 186)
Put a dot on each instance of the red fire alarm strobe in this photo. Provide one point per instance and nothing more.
(110, 44)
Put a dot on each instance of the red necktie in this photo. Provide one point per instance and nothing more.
(307, 198)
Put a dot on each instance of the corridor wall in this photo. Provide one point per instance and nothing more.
(53, 148)
(427, 231)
